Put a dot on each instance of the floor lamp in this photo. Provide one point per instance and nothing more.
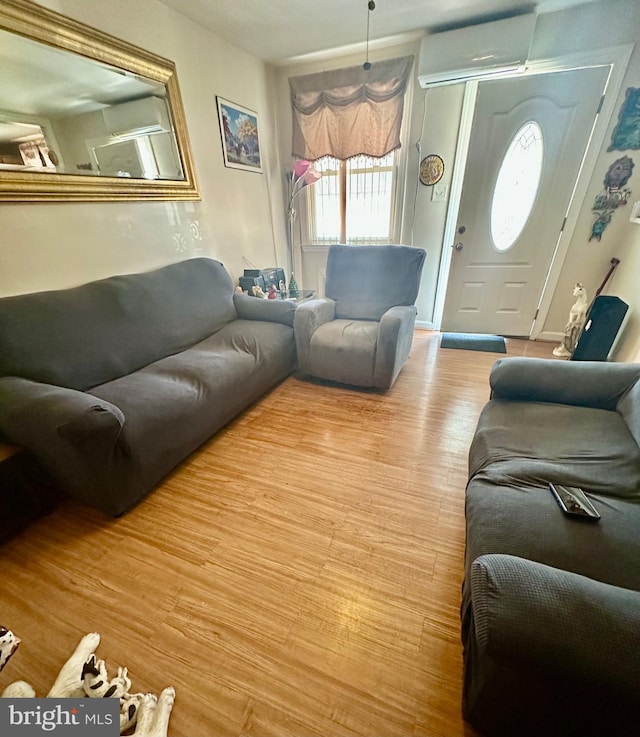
(303, 175)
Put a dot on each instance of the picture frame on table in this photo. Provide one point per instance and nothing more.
(239, 131)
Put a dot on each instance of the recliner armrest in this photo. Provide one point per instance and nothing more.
(581, 383)
(395, 335)
(308, 318)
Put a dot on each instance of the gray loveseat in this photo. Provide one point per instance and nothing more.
(113, 383)
(551, 604)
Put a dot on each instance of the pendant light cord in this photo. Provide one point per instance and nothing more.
(370, 7)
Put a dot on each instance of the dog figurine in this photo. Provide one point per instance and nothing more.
(82, 675)
(8, 645)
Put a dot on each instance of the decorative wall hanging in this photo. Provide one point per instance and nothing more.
(626, 134)
(431, 169)
(240, 140)
(635, 213)
(613, 196)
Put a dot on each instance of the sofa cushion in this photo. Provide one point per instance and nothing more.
(535, 442)
(629, 409)
(103, 330)
(172, 405)
(522, 519)
(345, 351)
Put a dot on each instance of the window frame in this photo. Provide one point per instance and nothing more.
(341, 173)
(504, 236)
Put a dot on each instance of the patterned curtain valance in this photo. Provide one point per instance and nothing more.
(349, 112)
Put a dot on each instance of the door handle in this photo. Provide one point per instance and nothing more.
(459, 246)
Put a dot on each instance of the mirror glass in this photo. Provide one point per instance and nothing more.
(106, 123)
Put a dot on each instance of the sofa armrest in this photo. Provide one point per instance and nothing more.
(308, 318)
(582, 383)
(395, 335)
(269, 310)
(570, 628)
(65, 429)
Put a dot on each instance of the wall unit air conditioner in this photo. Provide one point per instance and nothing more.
(476, 52)
(149, 114)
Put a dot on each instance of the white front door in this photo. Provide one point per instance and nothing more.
(528, 139)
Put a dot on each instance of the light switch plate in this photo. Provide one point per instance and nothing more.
(439, 193)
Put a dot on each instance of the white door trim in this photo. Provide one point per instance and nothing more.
(618, 57)
(455, 195)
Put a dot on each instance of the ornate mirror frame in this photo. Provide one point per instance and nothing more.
(39, 24)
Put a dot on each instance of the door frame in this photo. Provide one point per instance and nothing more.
(618, 58)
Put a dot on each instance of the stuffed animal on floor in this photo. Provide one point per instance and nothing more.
(82, 675)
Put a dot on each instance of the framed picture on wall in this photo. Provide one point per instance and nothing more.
(240, 137)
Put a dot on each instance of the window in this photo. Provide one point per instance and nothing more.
(517, 186)
(354, 200)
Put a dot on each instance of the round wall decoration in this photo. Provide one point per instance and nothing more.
(431, 169)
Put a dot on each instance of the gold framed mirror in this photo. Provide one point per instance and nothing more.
(85, 116)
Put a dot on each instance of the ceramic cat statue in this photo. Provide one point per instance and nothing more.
(573, 328)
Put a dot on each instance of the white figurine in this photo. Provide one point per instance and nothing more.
(577, 318)
(8, 645)
(83, 675)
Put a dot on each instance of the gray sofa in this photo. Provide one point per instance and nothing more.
(113, 383)
(551, 604)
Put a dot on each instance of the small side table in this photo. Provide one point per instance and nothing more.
(301, 295)
(26, 491)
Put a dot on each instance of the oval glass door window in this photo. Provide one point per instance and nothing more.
(517, 186)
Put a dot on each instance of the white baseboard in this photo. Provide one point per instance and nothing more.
(424, 325)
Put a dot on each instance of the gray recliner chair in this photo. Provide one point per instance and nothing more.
(361, 332)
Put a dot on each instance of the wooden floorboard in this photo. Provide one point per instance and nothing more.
(299, 575)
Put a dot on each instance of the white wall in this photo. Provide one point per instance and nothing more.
(588, 27)
(50, 246)
(579, 30)
(421, 221)
(575, 30)
(625, 285)
(424, 221)
(240, 217)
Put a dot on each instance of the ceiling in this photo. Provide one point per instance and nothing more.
(281, 30)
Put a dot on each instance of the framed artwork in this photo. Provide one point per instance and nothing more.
(626, 134)
(635, 213)
(240, 138)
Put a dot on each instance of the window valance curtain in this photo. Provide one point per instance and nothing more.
(349, 112)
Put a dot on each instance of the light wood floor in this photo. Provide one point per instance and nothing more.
(299, 575)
